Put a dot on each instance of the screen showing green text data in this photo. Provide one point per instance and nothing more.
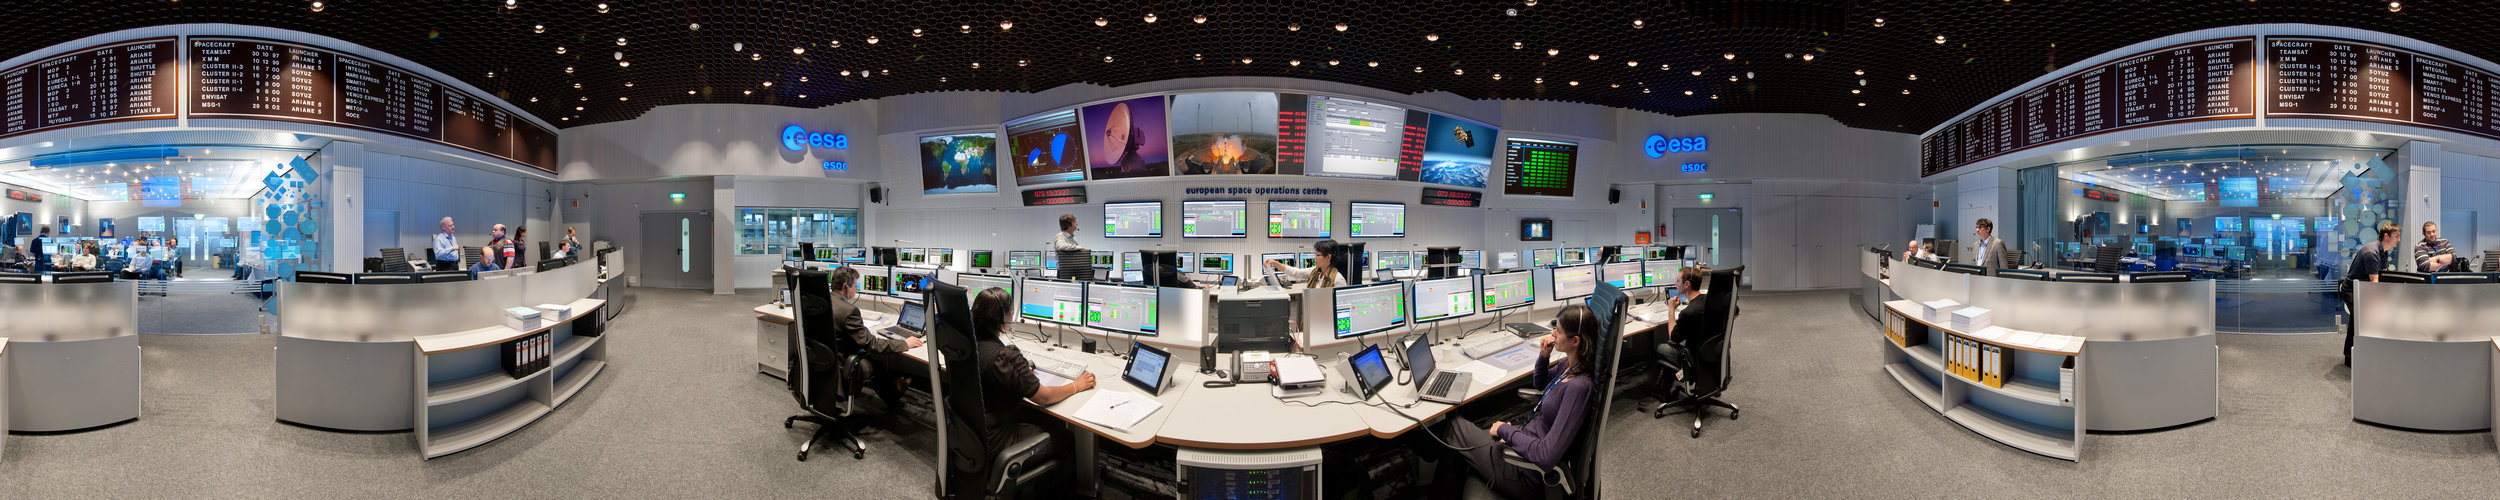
(1539, 168)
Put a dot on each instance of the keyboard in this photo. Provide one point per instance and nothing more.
(1487, 345)
(899, 332)
(1054, 365)
(1441, 383)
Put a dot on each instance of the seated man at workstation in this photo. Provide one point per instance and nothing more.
(879, 351)
(1552, 426)
(1009, 382)
(1688, 327)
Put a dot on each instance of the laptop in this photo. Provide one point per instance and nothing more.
(915, 317)
(1432, 384)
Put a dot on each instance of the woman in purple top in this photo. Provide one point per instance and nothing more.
(1551, 427)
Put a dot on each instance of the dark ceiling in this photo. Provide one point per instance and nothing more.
(1990, 46)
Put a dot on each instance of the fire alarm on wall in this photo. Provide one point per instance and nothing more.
(1936, 204)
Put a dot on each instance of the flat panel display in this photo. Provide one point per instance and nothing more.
(1441, 299)
(1220, 133)
(1542, 257)
(1571, 282)
(1458, 152)
(1508, 290)
(2203, 80)
(1376, 220)
(1142, 219)
(1540, 168)
(1121, 308)
(1660, 272)
(243, 77)
(958, 163)
(1361, 310)
(1471, 259)
(1052, 301)
(1126, 139)
(875, 280)
(1394, 260)
(1046, 148)
(1215, 263)
(1355, 138)
(1624, 275)
(1215, 219)
(1298, 219)
(1024, 259)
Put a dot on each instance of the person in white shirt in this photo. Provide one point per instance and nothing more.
(446, 254)
(1323, 275)
(142, 259)
(1065, 241)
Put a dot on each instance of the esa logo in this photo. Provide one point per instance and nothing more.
(1659, 145)
(795, 138)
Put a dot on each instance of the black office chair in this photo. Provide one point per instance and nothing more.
(546, 252)
(469, 256)
(1076, 265)
(974, 470)
(821, 368)
(1710, 357)
(395, 260)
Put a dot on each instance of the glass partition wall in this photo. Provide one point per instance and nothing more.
(2274, 224)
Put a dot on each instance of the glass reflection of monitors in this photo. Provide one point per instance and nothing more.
(1024, 259)
(1447, 298)
(1051, 301)
(1363, 309)
(1542, 257)
(1661, 272)
(1506, 259)
(855, 255)
(1140, 219)
(1215, 219)
(1571, 282)
(1623, 275)
(875, 280)
(1393, 260)
(1121, 308)
(1376, 220)
(981, 259)
(910, 283)
(1188, 261)
(1298, 219)
(1215, 263)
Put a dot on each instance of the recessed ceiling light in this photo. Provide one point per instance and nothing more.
(622, 64)
(620, 41)
(603, 8)
(1730, 56)
(1575, 83)
(1636, 24)
(1861, 104)
(915, 32)
(508, 4)
(802, 96)
(1809, 56)
(490, 74)
(1293, 27)
(1879, 22)
(1731, 78)
(1714, 96)
(533, 99)
(1905, 91)
(1662, 67)
(1939, 39)
(540, 28)
(577, 108)
(1295, 63)
(1853, 91)
(1540, 80)
(1497, 76)
(965, 29)
(1458, 71)
(1374, 64)
(1419, 69)
(737, 46)
(798, 51)
(1697, 72)
(844, 73)
(1101, 21)
(1432, 37)
(1245, 60)
(559, 50)
(1200, 19)
(1592, 57)
(620, 56)
(1861, 72)
(631, 84)
(1006, 25)
(1340, 26)
(689, 92)
(1197, 57)
(1106, 58)
(1614, 85)
(974, 66)
(620, 98)
(768, 84)
(1332, 62)
(1913, 77)
(1019, 63)
(2395, 6)
(1749, 75)
(1631, 64)
(872, 40)
(577, 85)
(694, 26)
(1150, 18)
(568, 70)
(759, 56)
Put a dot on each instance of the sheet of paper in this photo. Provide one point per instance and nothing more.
(1517, 357)
(1485, 374)
(1992, 333)
(2023, 338)
(1118, 409)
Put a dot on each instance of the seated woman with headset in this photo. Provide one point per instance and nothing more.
(1551, 427)
(1008, 377)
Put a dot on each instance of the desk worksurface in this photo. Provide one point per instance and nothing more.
(471, 339)
(1247, 416)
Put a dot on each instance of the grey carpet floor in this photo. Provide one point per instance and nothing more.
(681, 413)
(201, 312)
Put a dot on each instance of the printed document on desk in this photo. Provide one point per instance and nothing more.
(1118, 409)
(1485, 374)
(1517, 357)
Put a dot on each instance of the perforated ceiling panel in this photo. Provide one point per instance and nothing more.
(1669, 57)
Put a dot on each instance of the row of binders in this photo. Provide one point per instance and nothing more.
(1974, 360)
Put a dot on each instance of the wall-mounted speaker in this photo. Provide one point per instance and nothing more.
(876, 194)
(1614, 196)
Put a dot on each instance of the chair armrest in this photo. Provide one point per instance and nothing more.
(1551, 477)
(1531, 394)
(1017, 462)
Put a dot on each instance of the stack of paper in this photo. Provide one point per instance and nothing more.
(1118, 409)
(1970, 319)
(1935, 310)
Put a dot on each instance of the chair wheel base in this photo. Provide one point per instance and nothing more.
(1733, 414)
(1696, 433)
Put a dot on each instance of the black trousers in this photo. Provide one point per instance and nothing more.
(1476, 451)
(446, 265)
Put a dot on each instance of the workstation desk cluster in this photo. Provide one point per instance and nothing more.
(1209, 424)
(2147, 358)
(70, 353)
(2422, 356)
(429, 357)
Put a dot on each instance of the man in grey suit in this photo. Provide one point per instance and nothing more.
(1988, 252)
(879, 351)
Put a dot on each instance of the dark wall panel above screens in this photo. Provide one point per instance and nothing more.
(1127, 139)
(1046, 148)
(129, 80)
(1217, 133)
(2320, 77)
(2205, 80)
(243, 77)
(959, 163)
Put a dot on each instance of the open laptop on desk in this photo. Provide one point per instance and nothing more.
(915, 317)
(1431, 384)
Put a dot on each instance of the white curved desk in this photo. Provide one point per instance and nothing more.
(2421, 356)
(73, 357)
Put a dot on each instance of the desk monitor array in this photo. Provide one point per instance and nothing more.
(1054, 301)
(1506, 259)
(875, 280)
(1187, 262)
(1121, 308)
(1365, 309)
(1254, 325)
(911, 283)
(1505, 291)
(908, 256)
(974, 284)
(1444, 299)
(1661, 272)
(981, 259)
(1215, 263)
(1622, 274)
(1542, 257)
(1395, 260)
(1572, 282)
(944, 257)
(1024, 259)
(1474, 259)
(855, 255)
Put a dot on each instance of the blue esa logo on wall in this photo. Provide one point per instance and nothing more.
(1659, 145)
(796, 138)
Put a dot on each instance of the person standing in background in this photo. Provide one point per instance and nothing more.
(1075, 261)
(446, 254)
(494, 247)
(35, 249)
(516, 251)
(1991, 251)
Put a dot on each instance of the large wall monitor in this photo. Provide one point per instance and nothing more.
(1448, 298)
(1297, 219)
(1540, 168)
(1052, 301)
(1363, 309)
(1571, 282)
(1508, 290)
(1354, 138)
(1215, 219)
(1376, 220)
(1046, 148)
(1121, 308)
(959, 163)
(1140, 219)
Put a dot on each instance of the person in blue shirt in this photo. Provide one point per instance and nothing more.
(446, 254)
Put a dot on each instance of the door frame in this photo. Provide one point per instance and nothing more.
(693, 242)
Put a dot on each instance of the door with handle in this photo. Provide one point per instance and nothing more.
(680, 246)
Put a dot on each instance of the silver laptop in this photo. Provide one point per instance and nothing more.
(915, 317)
(1441, 386)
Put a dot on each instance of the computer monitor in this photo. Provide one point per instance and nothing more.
(1503, 291)
(907, 256)
(1051, 301)
(1473, 259)
(1363, 309)
(1215, 219)
(1370, 371)
(824, 254)
(914, 317)
(1446, 298)
(943, 257)
(1298, 219)
(1281, 258)
(1050, 260)
(1024, 259)
(875, 280)
(1149, 368)
(1624, 275)
(1133, 276)
(1254, 325)
(1506, 259)
(1571, 282)
(1129, 262)
(1121, 308)
(1136, 219)
(322, 277)
(981, 259)
(1186, 262)
(1660, 272)
(1542, 257)
(973, 284)
(855, 255)
(1376, 220)
(1103, 259)
(1306, 259)
(1394, 260)
(1574, 256)
(911, 283)
(1215, 263)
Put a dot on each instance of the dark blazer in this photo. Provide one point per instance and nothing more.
(846, 323)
